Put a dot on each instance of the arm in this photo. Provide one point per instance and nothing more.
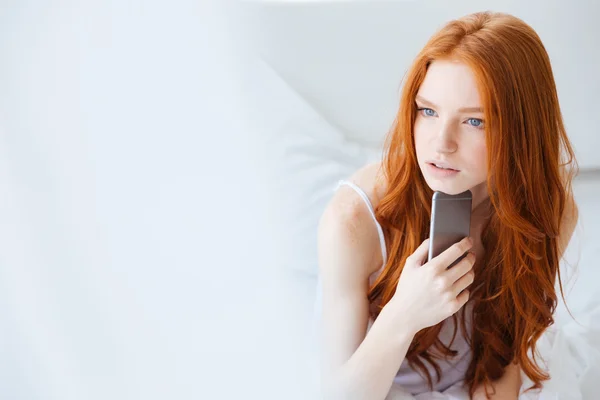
(506, 388)
(568, 224)
(356, 365)
(509, 385)
(370, 371)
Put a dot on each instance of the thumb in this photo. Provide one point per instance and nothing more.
(420, 254)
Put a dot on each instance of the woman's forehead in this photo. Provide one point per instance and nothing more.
(450, 85)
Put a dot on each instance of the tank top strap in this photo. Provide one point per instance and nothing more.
(364, 196)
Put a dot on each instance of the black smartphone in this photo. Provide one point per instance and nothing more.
(450, 222)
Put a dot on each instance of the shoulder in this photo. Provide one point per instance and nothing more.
(347, 229)
(568, 223)
(346, 205)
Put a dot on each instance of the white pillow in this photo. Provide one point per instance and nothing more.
(310, 156)
(580, 267)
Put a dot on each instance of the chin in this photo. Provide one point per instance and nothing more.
(451, 188)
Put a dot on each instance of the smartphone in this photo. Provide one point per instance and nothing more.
(450, 222)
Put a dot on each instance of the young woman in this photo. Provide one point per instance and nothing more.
(479, 111)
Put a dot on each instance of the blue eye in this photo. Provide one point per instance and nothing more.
(428, 112)
(476, 122)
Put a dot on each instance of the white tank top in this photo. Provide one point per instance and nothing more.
(452, 370)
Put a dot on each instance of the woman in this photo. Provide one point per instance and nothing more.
(479, 111)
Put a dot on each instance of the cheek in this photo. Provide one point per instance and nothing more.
(420, 138)
(478, 155)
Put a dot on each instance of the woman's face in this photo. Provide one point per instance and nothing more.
(449, 131)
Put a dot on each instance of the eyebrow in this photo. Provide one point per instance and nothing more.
(464, 109)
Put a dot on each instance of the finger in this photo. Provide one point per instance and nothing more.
(461, 300)
(463, 283)
(450, 255)
(461, 268)
(419, 256)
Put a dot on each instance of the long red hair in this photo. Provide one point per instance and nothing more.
(530, 168)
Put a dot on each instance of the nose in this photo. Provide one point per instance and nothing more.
(444, 141)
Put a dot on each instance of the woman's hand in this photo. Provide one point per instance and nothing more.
(428, 293)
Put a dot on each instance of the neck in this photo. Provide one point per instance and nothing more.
(481, 210)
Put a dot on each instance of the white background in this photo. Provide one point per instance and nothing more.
(137, 237)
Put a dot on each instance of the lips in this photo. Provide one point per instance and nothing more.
(442, 165)
(440, 173)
